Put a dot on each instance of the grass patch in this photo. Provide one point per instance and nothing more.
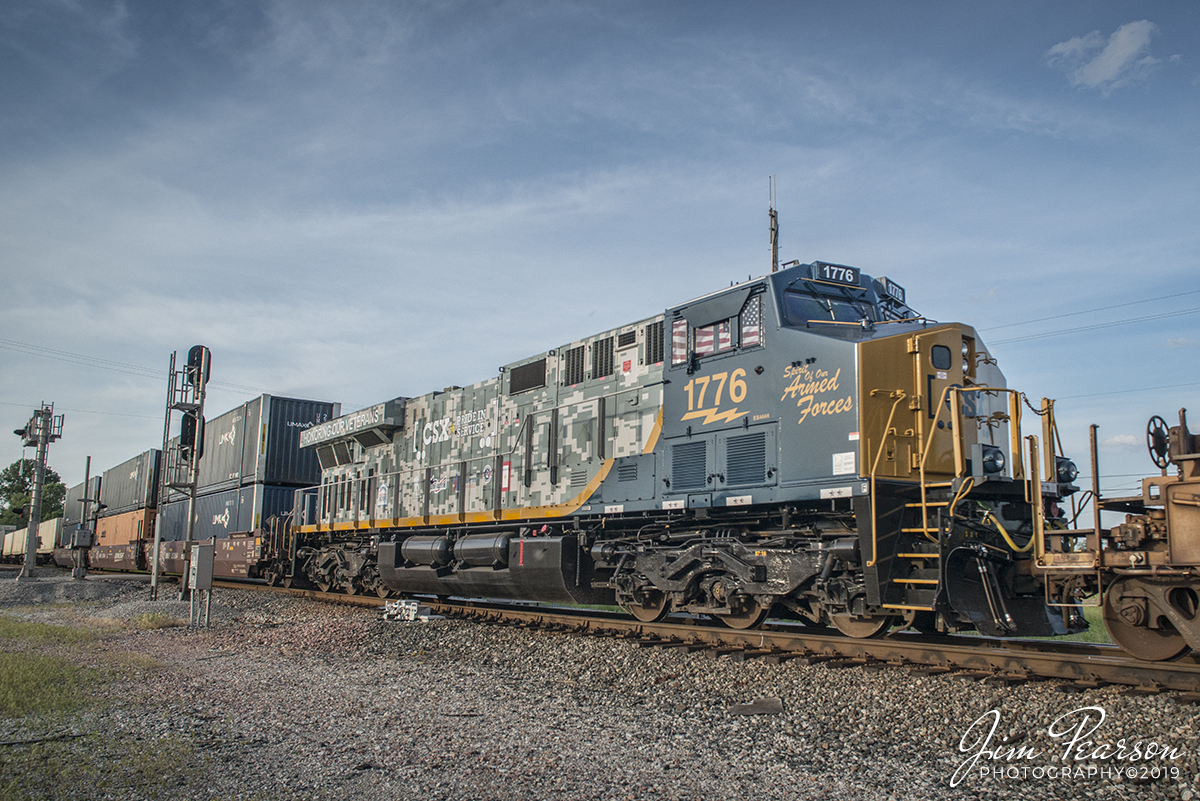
(41, 633)
(37, 684)
(1096, 631)
(157, 620)
(98, 766)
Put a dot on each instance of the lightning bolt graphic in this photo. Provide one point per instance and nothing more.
(712, 415)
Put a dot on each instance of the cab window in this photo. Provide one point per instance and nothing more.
(801, 307)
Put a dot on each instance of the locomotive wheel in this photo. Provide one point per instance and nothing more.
(324, 585)
(1126, 626)
(287, 582)
(351, 588)
(653, 609)
(861, 628)
(748, 619)
(382, 590)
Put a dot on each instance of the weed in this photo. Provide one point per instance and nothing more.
(157, 620)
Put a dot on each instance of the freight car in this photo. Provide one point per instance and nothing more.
(803, 442)
(15, 540)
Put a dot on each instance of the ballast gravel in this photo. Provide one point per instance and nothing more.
(288, 698)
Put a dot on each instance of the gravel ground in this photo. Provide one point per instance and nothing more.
(283, 698)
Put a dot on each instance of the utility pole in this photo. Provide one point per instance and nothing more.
(42, 429)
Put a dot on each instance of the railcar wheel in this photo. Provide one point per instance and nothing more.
(654, 607)
(748, 619)
(861, 628)
(382, 590)
(1126, 619)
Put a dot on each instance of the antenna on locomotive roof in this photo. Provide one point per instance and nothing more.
(774, 225)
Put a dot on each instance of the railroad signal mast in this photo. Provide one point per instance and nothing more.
(179, 471)
(43, 428)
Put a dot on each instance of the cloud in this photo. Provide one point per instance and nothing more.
(1182, 342)
(1092, 62)
(1124, 441)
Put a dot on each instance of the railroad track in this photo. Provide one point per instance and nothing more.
(1082, 665)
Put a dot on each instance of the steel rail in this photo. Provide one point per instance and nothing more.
(1002, 660)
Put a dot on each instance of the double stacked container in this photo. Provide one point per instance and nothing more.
(128, 498)
(251, 466)
(75, 514)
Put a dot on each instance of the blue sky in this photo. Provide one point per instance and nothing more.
(353, 201)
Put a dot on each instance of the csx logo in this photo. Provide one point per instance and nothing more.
(228, 437)
(222, 519)
(436, 431)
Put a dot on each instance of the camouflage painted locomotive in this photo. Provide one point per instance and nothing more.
(802, 442)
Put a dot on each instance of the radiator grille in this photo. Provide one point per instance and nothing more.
(746, 459)
(688, 465)
(627, 471)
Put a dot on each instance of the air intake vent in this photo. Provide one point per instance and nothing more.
(746, 459)
(602, 358)
(626, 339)
(627, 471)
(688, 464)
(654, 343)
(573, 366)
(527, 377)
(579, 478)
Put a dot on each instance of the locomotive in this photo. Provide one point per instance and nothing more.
(803, 442)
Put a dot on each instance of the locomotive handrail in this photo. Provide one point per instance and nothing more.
(1018, 468)
(899, 395)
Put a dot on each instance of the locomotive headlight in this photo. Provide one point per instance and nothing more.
(1066, 469)
(993, 460)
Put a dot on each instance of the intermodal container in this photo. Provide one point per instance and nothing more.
(225, 512)
(258, 442)
(130, 485)
(126, 528)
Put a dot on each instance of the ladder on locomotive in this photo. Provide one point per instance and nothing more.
(916, 578)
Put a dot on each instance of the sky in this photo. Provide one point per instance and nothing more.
(355, 201)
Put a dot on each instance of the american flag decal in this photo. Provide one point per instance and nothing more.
(751, 322)
(679, 337)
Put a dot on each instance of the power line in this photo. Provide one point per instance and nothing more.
(1089, 311)
(89, 411)
(1126, 391)
(105, 364)
(1162, 316)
